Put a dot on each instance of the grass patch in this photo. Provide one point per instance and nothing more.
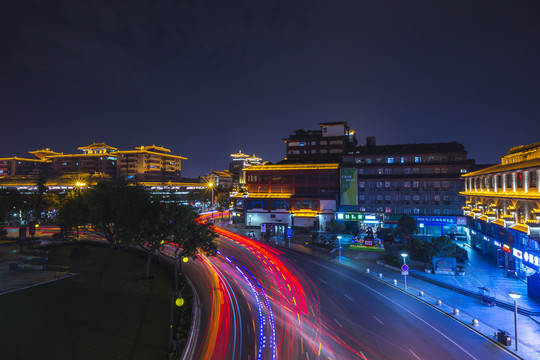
(103, 313)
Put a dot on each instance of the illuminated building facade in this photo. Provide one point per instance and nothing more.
(290, 195)
(239, 162)
(149, 163)
(15, 166)
(328, 144)
(503, 209)
(96, 158)
(219, 178)
(420, 180)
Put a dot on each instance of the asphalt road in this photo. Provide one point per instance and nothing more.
(268, 303)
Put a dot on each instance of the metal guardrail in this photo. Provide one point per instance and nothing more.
(474, 295)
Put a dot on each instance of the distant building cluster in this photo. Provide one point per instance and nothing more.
(144, 163)
(326, 176)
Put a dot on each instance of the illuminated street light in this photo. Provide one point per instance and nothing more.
(404, 268)
(515, 295)
(212, 187)
(339, 240)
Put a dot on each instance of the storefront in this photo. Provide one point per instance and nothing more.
(436, 226)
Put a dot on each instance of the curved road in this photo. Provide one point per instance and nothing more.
(259, 302)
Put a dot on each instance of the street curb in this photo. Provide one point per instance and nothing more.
(441, 310)
(189, 348)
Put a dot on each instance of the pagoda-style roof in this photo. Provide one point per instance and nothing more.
(153, 148)
(97, 146)
(240, 155)
(44, 153)
(253, 158)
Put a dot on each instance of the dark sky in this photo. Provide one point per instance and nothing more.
(207, 78)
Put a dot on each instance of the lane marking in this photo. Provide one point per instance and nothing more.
(324, 282)
(416, 356)
(348, 297)
(376, 318)
(341, 326)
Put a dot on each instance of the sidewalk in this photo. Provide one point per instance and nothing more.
(458, 295)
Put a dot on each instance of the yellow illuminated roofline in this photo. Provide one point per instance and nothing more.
(101, 145)
(265, 195)
(81, 155)
(533, 196)
(149, 147)
(23, 159)
(149, 152)
(293, 167)
(240, 154)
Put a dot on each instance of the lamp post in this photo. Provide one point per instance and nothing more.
(515, 295)
(339, 241)
(212, 208)
(404, 268)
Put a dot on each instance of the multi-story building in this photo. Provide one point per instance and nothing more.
(239, 162)
(290, 195)
(149, 163)
(96, 158)
(329, 144)
(503, 209)
(218, 178)
(15, 166)
(421, 180)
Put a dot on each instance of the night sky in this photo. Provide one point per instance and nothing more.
(208, 78)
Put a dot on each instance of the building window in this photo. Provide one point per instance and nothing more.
(407, 171)
(387, 184)
(416, 211)
(388, 171)
(379, 184)
(402, 160)
(390, 160)
(361, 184)
(387, 197)
(380, 171)
(407, 184)
(417, 159)
(361, 171)
(415, 184)
(437, 184)
(437, 211)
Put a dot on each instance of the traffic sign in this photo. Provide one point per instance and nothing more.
(404, 267)
(404, 273)
(289, 233)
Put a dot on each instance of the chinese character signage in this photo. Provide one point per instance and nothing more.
(348, 187)
(437, 220)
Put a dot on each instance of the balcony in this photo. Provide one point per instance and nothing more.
(508, 220)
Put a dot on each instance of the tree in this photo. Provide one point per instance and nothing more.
(189, 236)
(406, 226)
(223, 199)
(153, 230)
(72, 213)
(114, 210)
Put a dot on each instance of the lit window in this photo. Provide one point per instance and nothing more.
(417, 159)
(390, 160)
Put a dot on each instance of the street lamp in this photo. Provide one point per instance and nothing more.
(339, 241)
(404, 268)
(212, 187)
(515, 295)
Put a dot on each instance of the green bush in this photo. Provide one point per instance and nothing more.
(392, 259)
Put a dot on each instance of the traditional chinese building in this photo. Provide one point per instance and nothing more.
(290, 195)
(149, 163)
(503, 209)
